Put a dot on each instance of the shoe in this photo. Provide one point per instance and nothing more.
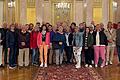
(1, 65)
(101, 66)
(41, 65)
(32, 64)
(45, 65)
(106, 63)
(35, 65)
(86, 65)
(78, 67)
(90, 66)
(96, 65)
(68, 62)
(11, 67)
(92, 62)
(111, 63)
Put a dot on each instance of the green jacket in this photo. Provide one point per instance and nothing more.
(90, 40)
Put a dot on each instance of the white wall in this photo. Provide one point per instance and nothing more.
(1, 11)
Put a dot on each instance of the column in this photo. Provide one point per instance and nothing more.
(111, 10)
(117, 12)
(89, 12)
(105, 10)
(1, 11)
(10, 15)
(47, 11)
(17, 11)
(78, 12)
(39, 10)
(5, 19)
(23, 11)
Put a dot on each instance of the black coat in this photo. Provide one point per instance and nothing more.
(103, 38)
(118, 37)
(70, 39)
(11, 39)
(2, 36)
(24, 37)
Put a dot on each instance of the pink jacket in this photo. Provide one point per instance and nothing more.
(39, 39)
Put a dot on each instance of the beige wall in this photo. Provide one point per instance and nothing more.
(44, 11)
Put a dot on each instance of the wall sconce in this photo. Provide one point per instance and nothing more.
(11, 4)
(85, 5)
(115, 5)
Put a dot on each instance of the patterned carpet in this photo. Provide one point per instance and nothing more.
(67, 72)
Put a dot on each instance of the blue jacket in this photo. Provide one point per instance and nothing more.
(78, 39)
(52, 33)
(59, 38)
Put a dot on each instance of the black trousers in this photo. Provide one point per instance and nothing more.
(92, 53)
(88, 56)
(69, 53)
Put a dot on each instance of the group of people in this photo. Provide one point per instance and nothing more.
(24, 45)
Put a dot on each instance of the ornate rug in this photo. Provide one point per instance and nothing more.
(67, 72)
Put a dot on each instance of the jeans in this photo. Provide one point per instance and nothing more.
(118, 51)
(77, 54)
(59, 56)
(12, 57)
(35, 56)
(51, 56)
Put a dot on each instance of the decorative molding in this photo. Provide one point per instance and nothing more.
(97, 3)
(79, 0)
(46, 0)
(30, 3)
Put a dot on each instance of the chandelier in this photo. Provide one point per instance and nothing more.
(62, 5)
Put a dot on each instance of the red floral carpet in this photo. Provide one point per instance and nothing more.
(67, 72)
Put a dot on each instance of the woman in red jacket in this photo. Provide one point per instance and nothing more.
(43, 42)
(33, 45)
